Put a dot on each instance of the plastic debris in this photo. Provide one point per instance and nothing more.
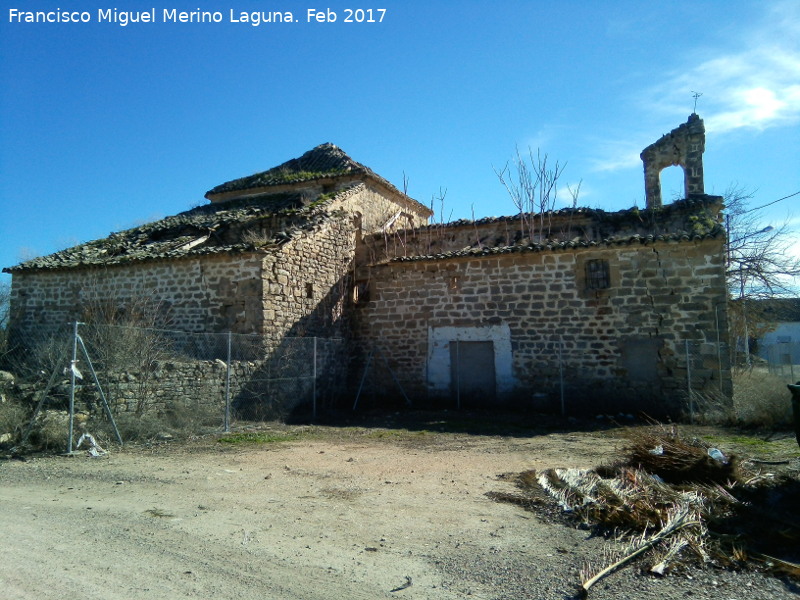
(717, 455)
(95, 450)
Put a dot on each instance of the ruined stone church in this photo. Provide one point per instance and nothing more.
(585, 307)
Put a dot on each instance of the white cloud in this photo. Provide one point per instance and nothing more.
(565, 190)
(760, 107)
(752, 86)
(617, 154)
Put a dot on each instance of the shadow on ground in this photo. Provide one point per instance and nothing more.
(473, 422)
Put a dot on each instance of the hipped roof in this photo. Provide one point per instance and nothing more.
(326, 161)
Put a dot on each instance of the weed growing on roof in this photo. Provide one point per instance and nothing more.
(291, 176)
(323, 198)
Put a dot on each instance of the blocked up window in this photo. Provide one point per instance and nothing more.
(597, 274)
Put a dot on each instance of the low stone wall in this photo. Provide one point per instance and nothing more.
(258, 389)
(171, 386)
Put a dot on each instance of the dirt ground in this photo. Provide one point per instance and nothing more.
(342, 512)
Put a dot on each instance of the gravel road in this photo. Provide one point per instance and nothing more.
(356, 516)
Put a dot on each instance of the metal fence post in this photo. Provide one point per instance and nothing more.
(100, 390)
(719, 350)
(314, 384)
(689, 383)
(561, 373)
(227, 421)
(72, 370)
(458, 375)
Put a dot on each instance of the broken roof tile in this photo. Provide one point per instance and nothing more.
(207, 229)
(556, 245)
(324, 161)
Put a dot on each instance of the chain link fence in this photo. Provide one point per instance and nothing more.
(783, 360)
(708, 393)
(760, 382)
(589, 377)
(158, 381)
(155, 381)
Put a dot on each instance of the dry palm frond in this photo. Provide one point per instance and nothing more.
(633, 500)
(679, 518)
(677, 461)
(783, 566)
(690, 506)
(566, 486)
(674, 549)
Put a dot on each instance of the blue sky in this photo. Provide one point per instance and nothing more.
(103, 127)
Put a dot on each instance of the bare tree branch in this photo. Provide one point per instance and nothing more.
(760, 263)
(532, 185)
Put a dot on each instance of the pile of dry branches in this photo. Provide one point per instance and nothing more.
(675, 501)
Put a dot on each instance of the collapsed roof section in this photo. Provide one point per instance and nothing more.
(243, 225)
(251, 213)
(689, 220)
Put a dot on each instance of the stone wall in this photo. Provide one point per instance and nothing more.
(684, 147)
(199, 385)
(171, 386)
(212, 293)
(308, 283)
(375, 212)
(621, 347)
(273, 383)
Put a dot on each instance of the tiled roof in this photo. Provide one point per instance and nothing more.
(324, 161)
(208, 229)
(683, 220)
(555, 245)
(695, 203)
